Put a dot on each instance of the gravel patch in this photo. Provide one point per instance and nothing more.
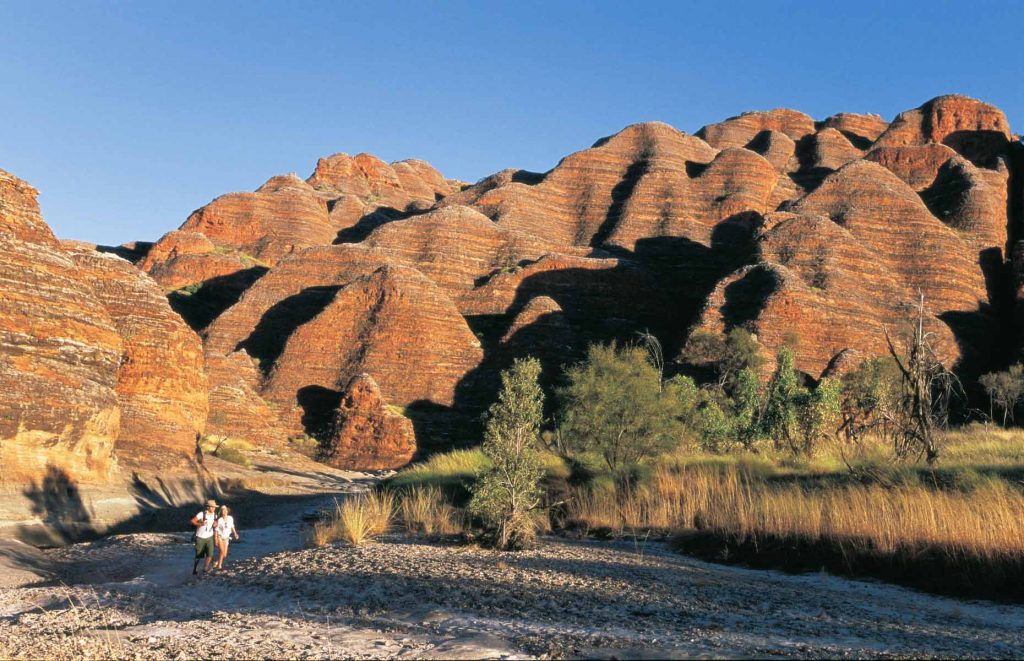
(402, 598)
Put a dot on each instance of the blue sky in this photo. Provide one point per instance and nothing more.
(127, 116)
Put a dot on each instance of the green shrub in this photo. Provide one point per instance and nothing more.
(615, 405)
(233, 456)
(504, 495)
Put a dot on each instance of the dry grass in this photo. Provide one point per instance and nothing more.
(356, 520)
(424, 510)
(744, 505)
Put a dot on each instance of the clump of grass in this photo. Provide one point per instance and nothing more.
(451, 472)
(424, 510)
(229, 449)
(304, 444)
(356, 520)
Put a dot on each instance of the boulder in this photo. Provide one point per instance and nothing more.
(365, 433)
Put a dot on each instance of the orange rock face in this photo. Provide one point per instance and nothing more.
(395, 325)
(820, 235)
(860, 130)
(739, 131)
(976, 130)
(821, 291)
(365, 435)
(283, 215)
(161, 383)
(59, 352)
(457, 247)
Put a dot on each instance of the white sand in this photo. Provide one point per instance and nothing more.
(133, 596)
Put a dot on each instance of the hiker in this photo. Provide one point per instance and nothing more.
(203, 523)
(225, 529)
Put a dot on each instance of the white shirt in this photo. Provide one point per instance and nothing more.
(225, 525)
(205, 530)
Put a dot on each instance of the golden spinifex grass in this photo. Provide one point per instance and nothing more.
(425, 510)
(744, 506)
(355, 520)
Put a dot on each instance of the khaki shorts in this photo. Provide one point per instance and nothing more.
(204, 547)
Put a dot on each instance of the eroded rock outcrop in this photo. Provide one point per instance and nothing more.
(395, 324)
(59, 353)
(283, 215)
(364, 192)
(365, 433)
(972, 128)
(819, 290)
(161, 383)
(457, 247)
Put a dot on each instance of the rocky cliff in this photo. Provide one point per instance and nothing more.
(327, 305)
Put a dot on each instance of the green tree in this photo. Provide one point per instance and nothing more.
(1005, 390)
(781, 401)
(614, 404)
(717, 429)
(817, 413)
(868, 390)
(730, 355)
(504, 496)
(749, 407)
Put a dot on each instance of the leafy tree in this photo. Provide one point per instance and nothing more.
(717, 429)
(1005, 390)
(737, 351)
(868, 390)
(504, 496)
(614, 404)
(781, 401)
(749, 407)
(817, 413)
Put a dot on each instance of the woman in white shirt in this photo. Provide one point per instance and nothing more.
(225, 530)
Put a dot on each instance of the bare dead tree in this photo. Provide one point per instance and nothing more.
(655, 355)
(921, 406)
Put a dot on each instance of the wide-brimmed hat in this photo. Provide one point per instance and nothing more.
(211, 503)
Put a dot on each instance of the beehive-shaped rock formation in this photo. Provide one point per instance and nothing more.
(161, 383)
(59, 352)
(365, 434)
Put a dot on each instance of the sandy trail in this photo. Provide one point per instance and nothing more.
(134, 596)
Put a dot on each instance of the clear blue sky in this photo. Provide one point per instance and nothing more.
(127, 116)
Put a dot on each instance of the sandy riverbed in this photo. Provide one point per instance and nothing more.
(133, 596)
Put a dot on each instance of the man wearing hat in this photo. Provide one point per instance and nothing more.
(203, 523)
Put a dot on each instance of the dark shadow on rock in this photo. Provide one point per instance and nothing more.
(621, 193)
(440, 428)
(212, 297)
(983, 148)
(979, 337)
(371, 221)
(267, 340)
(318, 405)
(527, 177)
(745, 298)
(695, 169)
(861, 142)
(947, 193)
(57, 502)
(134, 252)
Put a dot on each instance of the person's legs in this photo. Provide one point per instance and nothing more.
(209, 554)
(204, 548)
(222, 550)
(199, 554)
